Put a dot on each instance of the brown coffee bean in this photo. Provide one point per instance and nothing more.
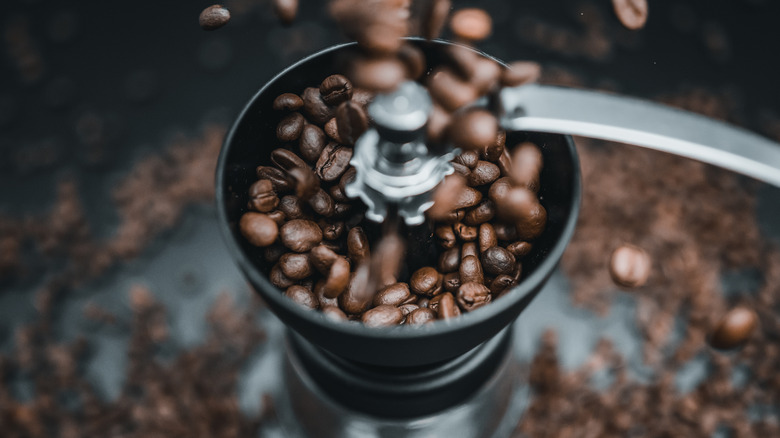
(393, 295)
(278, 279)
(321, 258)
(288, 102)
(519, 249)
(322, 203)
(300, 235)
(357, 298)
(351, 121)
(501, 283)
(331, 230)
(292, 207)
(449, 260)
(469, 249)
(499, 189)
(451, 282)
(438, 123)
(333, 313)
(484, 173)
(447, 307)
(333, 162)
(362, 96)
(272, 253)
(342, 209)
(376, 26)
(336, 89)
(465, 232)
(486, 74)
(408, 308)
(446, 236)
(520, 73)
(319, 292)
(473, 129)
(387, 259)
(471, 270)
(473, 296)
(258, 229)
(468, 197)
(462, 60)
(527, 163)
(505, 163)
(487, 237)
(480, 214)
(262, 197)
(311, 142)
(315, 108)
(468, 158)
(332, 131)
(471, 24)
(426, 281)
(434, 17)
(414, 60)
(450, 91)
(286, 160)
(338, 278)
(631, 13)
(497, 260)
(306, 182)
(337, 194)
(461, 169)
(382, 316)
(734, 329)
(357, 246)
(277, 177)
(302, 296)
(214, 17)
(286, 10)
(377, 74)
(290, 128)
(532, 226)
(296, 266)
(347, 178)
(505, 232)
(629, 266)
(421, 316)
(423, 302)
(518, 204)
(493, 151)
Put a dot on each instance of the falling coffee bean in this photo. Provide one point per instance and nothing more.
(286, 10)
(520, 73)
(473, 129)
(214, 17)
(351, 121)
(631, 13)
(629, 266)
(471, 24)
(434, 18)
(734, 329)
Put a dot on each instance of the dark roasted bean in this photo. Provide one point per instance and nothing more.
(421, 316)
(322, 203)
(487, 237)
(291, 207)
(426, 281)
(286, 160)
(450, 91)
(277, 216)
(734, 329)
(214, 17)
(338, 278)
(408, 308)
(467, 198)
(480, 214)
(434, 18)
(382, 316)
(288, 102)
(331, 230)
(465, 232)
(518, 204)
(471, 270)
(277, 177)
(499, 189)
(449, 260)
(485, 173)
(300, 235)
(341, 209)
(423, 302)
(262, 197)
(290, 128)
(278, 279)
(497, 260)
(302, 296)
(357, 298)
(258, 229)
(362, 96)
(394, 295)
(495, 150)
(357, 246)
(630, 266)
(333, 162)
(273, 252)
(473, 296)
(336, 89)
(451, 282)
(505, 163)
(296, 266)
(504, 232)
(461, 170)
(501, 283)
(438, 122)
(520, 248)
(532, 226)
(468, 158)
(337, 194)
(351, 122)
(311, 143)
(447, 307)
(332, 131)
(446, 236)
(486, 74)
(471, 24)
(315, 108)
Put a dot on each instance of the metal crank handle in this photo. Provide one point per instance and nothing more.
(633, 121)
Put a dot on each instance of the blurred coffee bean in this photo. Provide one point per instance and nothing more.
(287, 160)
(393, 295)
(321, 258)
(380, 75)
(258, 229)
(287, 102)
(214, 17)
(629, 266)
(527, 164)
(520, 73)
(414, 60)
(290, 128)
(446, 236)
(292, 207)
(517, 204)
(357, 246)
(311, 143)
(277, 177)
(449, 260)
(631, 13)
(426, 281)
(333, 161)
(485, 172)
(471, 24)
(493, 151)
(447, 308)
(451, 282)
(336, 89)
(519, 249)
(357, 298)
(322, 203)
(450, 91)
(296, 266)
(480, 214)
(332, 131)
(262, 197)
(465, 233)
(333, 313)
(473, 296)
(473, 129)
(734, 329)
(505, 232)
(382, 316)
(302, 296)
(278, 279)
(351, 122)
(497, 260)
(434, 17)
(306, 182)
(338, 278)
(486, 74)
(471, 270)
(319, 292)
(362, 97)
(438, 122)
(300, 235)
(286, 10)
(315, 108)
(487, 237)
(420, 316)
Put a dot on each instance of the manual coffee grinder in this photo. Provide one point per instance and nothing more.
(458, 378)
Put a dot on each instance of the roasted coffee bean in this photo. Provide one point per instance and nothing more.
(306, 182)
(376, 26)
(286, 10)
(337, 194)
(336, 89)
(465, 232)
(351, 121)
(520, 248)
(272, 253)
(382, 316)
(447, 307)
(449, 260)
(362, 96)
(468, 158)
(501, 283)
(468, 197)
(338, 278)
(315, 108)
(347, 178)
(333, 162)
(393, 295)
(322, 203)
(518, 204)
(471, 24)
(277, 177)
(499, 189)
(258, 229)
(473, 296)
(387, 259)
(438, 122)
(527, 163)
(469, 249)
(433, 303)
(311, 143)
(450, 91)
(493, 151)
(214, 17)
(262, 197)
(446, 236)
(520, 73)
(333, 313)
(292, 207)
(734, 329)
(473, 129)
(300, 235)
(332, 131)
(532, 226)
(331, 230)
(302, 296)
(423, 302)
(486, 74)
(434, 18)
(342, 209)
(278, 279)
(377, 74)
(426, 281)
(322, 257)
(487, 237)
(630, 266)
(420, 316)
(414, 60)
(463, 60)
(480, 214)
(505, 163)
(357, 246)
(290, 128)
(296, 266)
(451, 282)
(357, 298)
(319, 292)
(471, 270)
(277, 216)
(286, 160)
(446, 196)
(497, 260)
(505, 232)
(631, 13)
(461, 170)
(484, 173)
(408, 308)
(288, 102)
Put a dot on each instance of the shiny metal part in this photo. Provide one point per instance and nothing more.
(622, 119)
